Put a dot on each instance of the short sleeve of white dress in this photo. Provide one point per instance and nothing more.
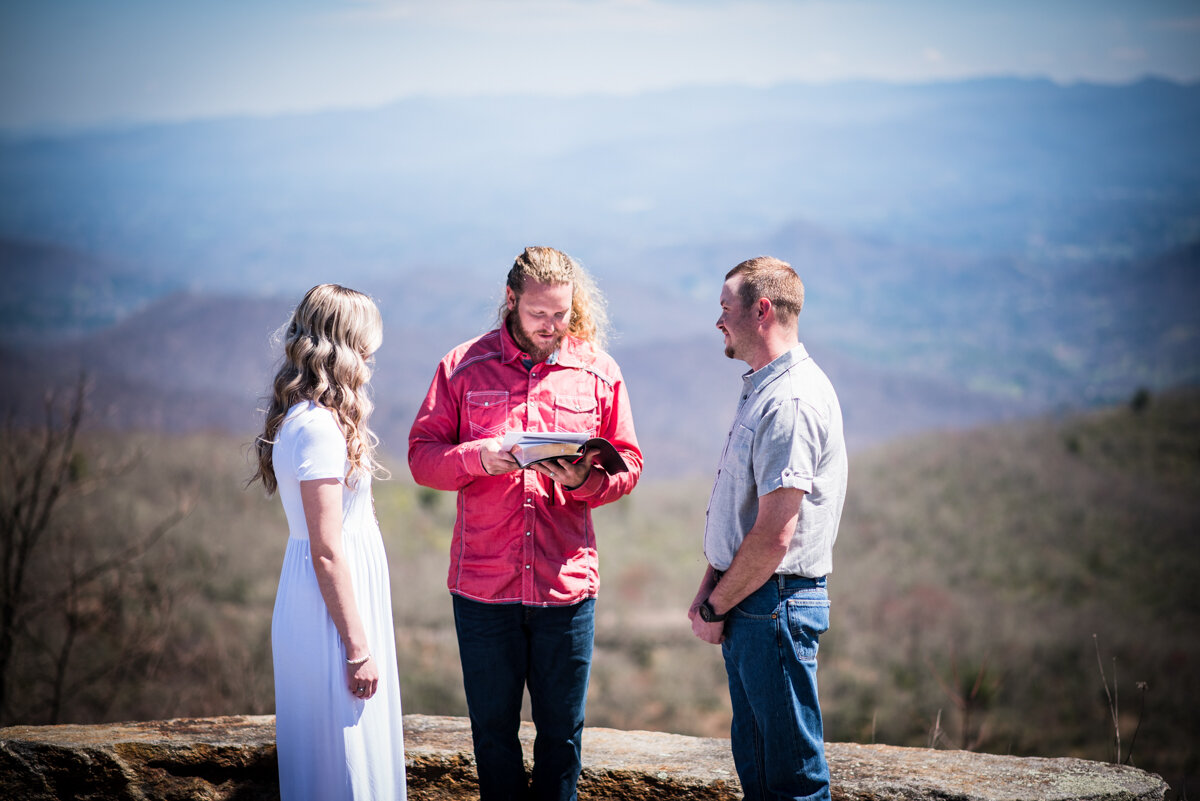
(320, 446)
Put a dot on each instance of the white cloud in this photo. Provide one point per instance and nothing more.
(84, 64)
(1188, 24)
(1129, 55)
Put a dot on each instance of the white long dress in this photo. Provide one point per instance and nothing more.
(331, 745)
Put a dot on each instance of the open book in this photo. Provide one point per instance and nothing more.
(531, 447)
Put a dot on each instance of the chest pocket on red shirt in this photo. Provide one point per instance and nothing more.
(487, 413)
(579, 413)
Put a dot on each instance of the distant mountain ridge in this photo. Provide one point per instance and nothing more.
(1001, 166)
(197, 362)
(987, 247)
(54, 292)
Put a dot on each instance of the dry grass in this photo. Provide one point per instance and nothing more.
(971, 572)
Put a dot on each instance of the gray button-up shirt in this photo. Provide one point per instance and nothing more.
(787, 433)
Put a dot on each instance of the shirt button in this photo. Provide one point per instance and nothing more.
(527, 533)
(526, 567)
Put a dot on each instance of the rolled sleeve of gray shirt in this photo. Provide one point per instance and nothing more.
(785, 455)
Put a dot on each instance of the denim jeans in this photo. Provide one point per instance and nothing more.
(770, 652)
(503, 648)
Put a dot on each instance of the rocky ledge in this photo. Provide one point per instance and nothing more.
(234, 758)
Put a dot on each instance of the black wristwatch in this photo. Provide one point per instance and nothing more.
(708, 614)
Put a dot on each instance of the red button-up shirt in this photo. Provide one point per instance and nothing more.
(520, 537)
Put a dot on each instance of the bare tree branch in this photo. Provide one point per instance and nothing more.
(70, 602)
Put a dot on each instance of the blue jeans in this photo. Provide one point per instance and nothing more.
(503, 648)
(770, 652)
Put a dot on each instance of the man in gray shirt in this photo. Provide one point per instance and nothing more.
(771, 524)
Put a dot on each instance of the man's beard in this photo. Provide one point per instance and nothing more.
(526, 343)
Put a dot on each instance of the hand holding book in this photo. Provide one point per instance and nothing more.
(531, 447)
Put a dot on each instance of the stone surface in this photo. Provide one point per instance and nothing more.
(187, 758)
(233, 759)
(889, 773)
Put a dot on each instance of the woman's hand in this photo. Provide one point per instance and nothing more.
(363, 680)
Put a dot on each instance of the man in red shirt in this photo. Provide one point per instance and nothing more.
(523, 566)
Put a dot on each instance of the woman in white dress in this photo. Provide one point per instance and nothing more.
(338, 725)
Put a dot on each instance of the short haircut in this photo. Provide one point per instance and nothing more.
(773, 279)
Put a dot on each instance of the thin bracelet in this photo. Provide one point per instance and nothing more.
(357, 662)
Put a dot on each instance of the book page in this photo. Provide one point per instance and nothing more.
(527, 438)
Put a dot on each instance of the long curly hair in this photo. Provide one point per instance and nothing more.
(589, 313)
(326, 347)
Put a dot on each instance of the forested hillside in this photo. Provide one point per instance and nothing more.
(975, 576)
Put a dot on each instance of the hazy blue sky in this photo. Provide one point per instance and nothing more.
(84, 62)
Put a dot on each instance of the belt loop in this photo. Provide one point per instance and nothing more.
(781, 581)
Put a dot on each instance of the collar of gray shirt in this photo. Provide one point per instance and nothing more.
(754, 380)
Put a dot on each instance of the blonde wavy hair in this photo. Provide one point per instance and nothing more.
(589, 312)
(326, 347)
